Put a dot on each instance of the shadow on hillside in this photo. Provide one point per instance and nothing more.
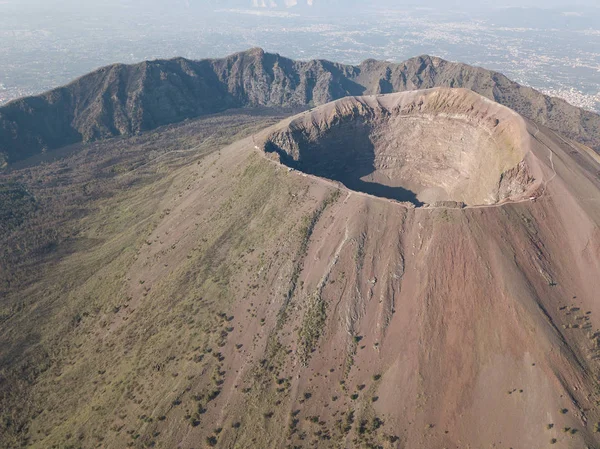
(346, 155)
(381, 190)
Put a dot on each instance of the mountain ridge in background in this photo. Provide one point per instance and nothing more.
(129, 99)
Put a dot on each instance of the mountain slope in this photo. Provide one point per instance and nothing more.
(215, 298)
(123, 100)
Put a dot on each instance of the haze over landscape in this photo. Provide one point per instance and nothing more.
(550, 45)
(299, 224)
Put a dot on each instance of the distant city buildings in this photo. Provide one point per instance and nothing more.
(8, 94)
(586, 101)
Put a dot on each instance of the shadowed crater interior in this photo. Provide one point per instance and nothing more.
(423, 147)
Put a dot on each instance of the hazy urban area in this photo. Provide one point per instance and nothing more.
(554, 50)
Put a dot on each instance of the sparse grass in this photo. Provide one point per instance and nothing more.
(89, 226)
(315, 316)
(312, 326)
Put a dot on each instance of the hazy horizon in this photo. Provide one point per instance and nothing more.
(48, 43)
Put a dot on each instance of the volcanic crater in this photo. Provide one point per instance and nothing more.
(429, 147)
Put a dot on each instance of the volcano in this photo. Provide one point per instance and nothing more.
(410, 270)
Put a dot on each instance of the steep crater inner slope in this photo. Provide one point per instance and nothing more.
(424, 147)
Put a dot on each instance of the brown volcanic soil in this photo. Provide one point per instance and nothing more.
(269, 308)
(479, 321)
(437, 145)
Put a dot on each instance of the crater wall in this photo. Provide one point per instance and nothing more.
(425, 147)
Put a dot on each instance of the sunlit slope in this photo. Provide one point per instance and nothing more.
(231, 302)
